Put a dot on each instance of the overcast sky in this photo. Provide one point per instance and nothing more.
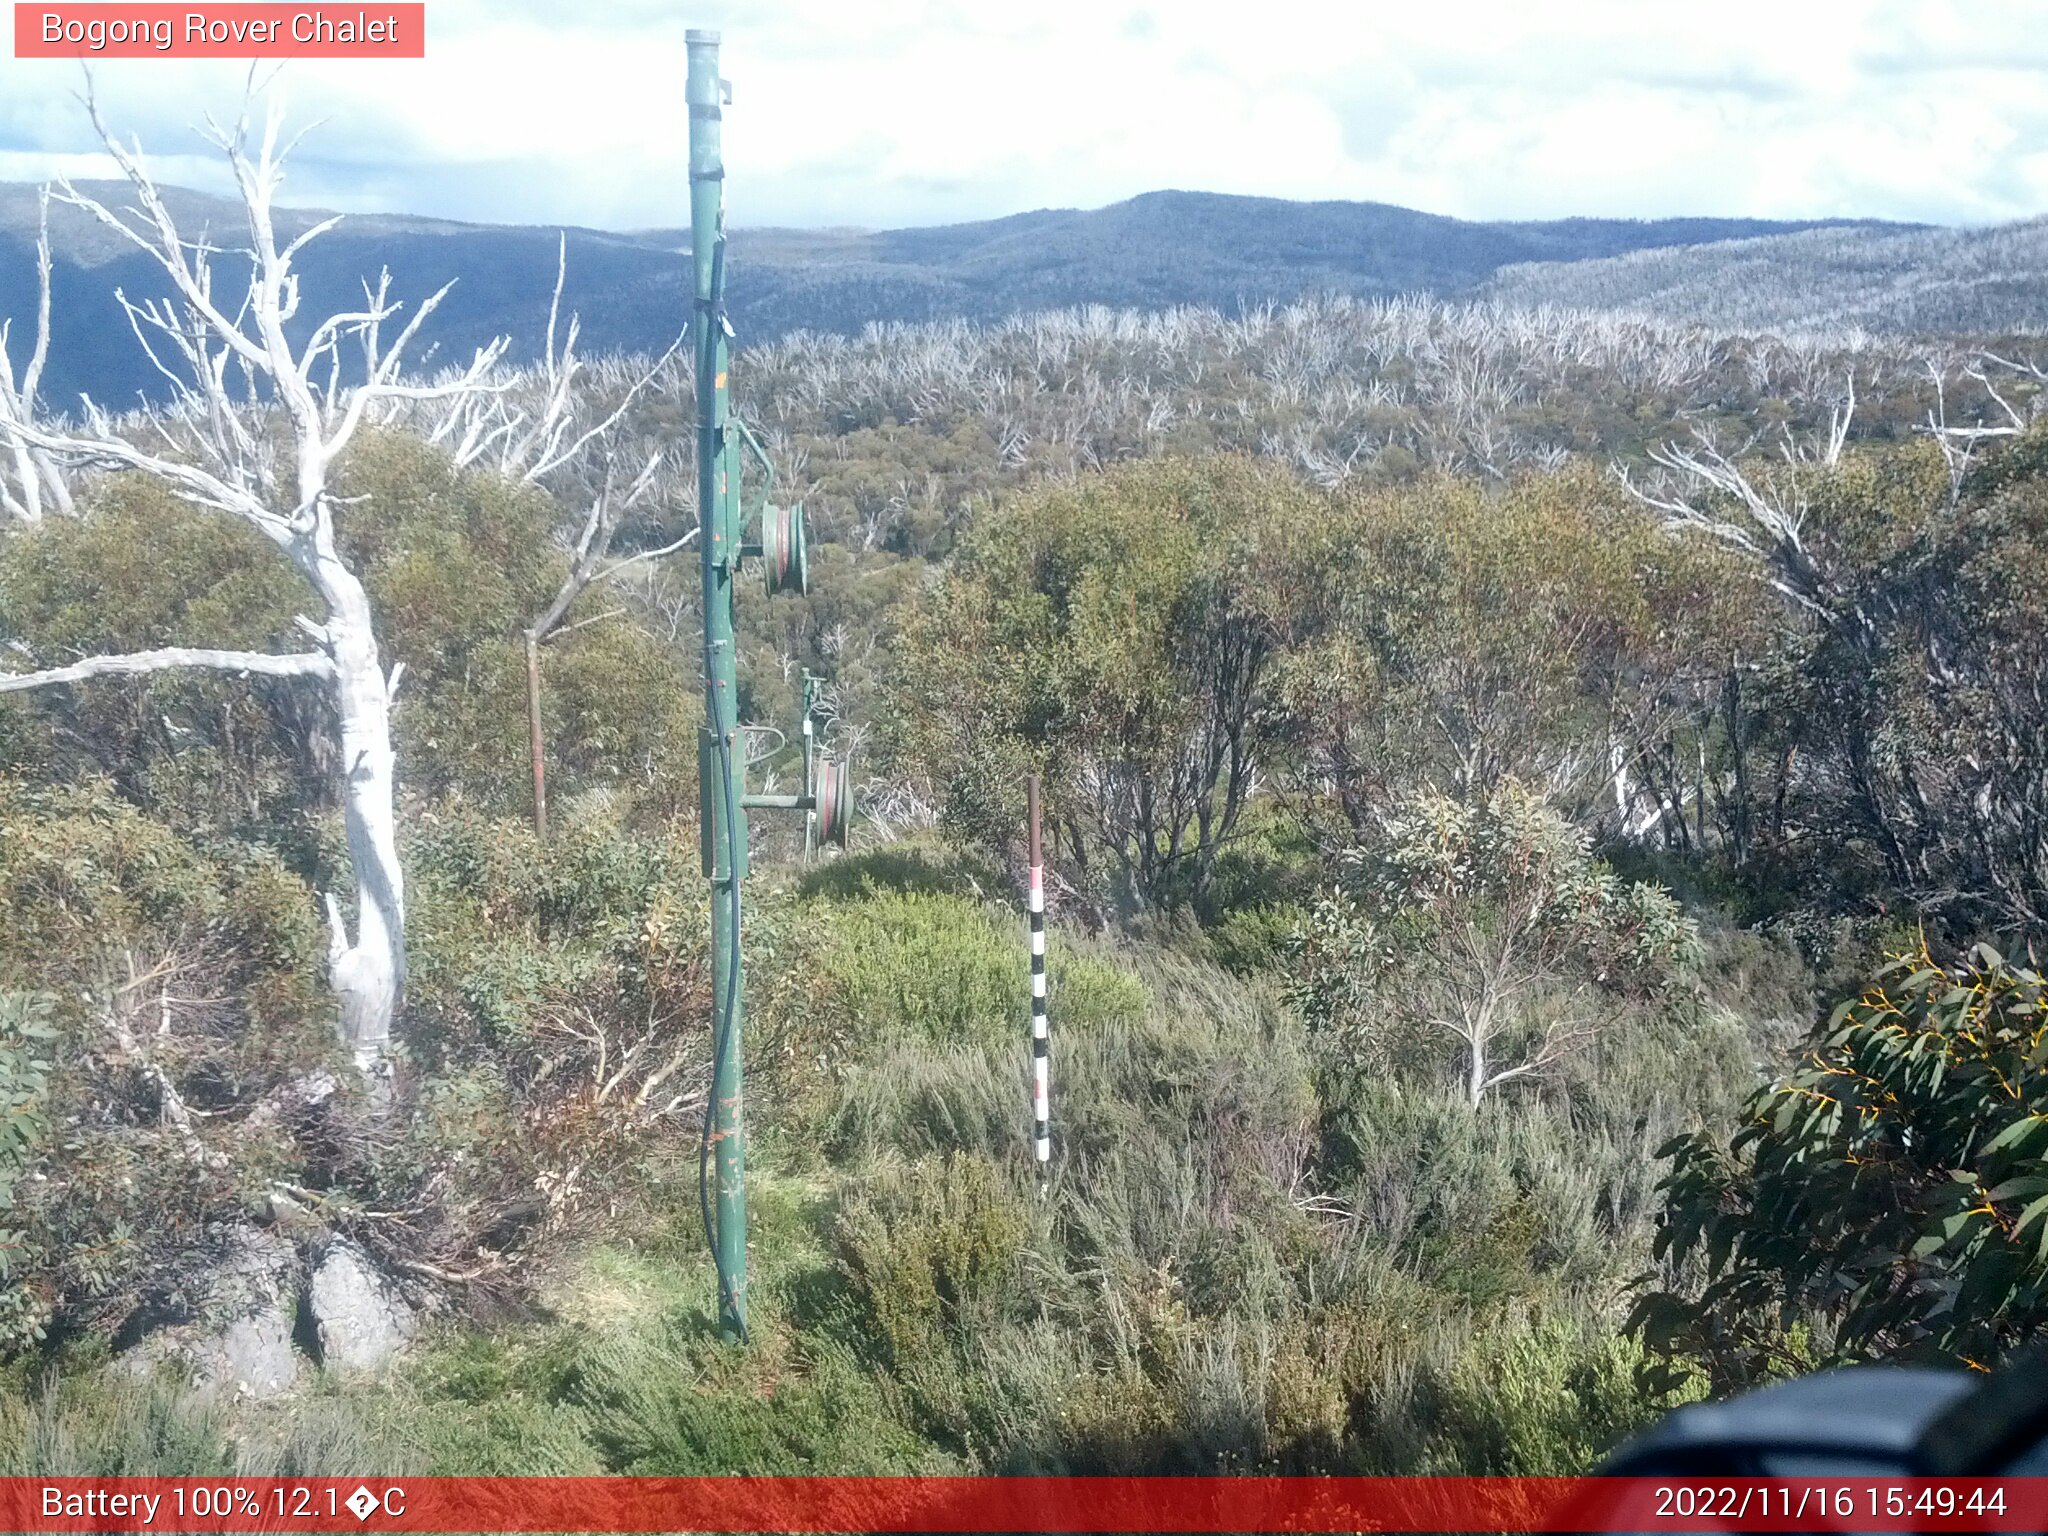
(889, 112)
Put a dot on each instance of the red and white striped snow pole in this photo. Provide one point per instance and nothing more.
(1041, 1041)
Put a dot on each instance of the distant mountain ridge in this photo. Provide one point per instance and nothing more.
(1882, 278)
(1167, 248)
(1153, 251)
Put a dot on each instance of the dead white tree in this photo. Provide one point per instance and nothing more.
(1959, 442)
(1764, 516)
(253, 431)
(30, 480)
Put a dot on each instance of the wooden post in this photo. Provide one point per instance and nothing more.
(535, 740)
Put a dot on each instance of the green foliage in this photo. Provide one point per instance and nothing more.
(26, 1037)
(170, 909)
(933, 1251)
(1271, 1239)
(628, 1374)
(457, 564)
(557, 1017)
(910, 867)
(1114, 635)
(1523, 1397)
(1444, 864)
(1172, 1305)
(935, 968)
(944, 970)
(1246, 940)
(177, 977)
(555, 1027)
(1890, 1196)
(139, 569)
(1952, 737)
(91, 887)
(82, 872)
(892, 1017)
(93, 1426)
(668, 1426)
(1874, 755)
(1461, 634)
(1489, 922)
(1507, 1206)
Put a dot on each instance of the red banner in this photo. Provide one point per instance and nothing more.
(976, 1504)
(221, 31)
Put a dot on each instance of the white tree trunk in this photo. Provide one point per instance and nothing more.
(368, 975)
(25, 497)
(225, 455)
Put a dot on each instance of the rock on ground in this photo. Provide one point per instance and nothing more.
(361, 1319)
(242, 1339)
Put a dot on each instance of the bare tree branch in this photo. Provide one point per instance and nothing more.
(35, 477)
(1768, 515)
(263, 663)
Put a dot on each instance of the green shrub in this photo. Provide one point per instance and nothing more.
(1890, 1196)
(909, 867)
(101, 1426)
(931, 1251)
(1516, 1202)
(1247, 940)
(140, 568)
(925, 966)
(1114, 633)
(831, 1417)
(1539, 1393)
(916, 1099)
(184, 987)
(1489, 928)
(457, 563)
(557, 1019)
(26, 1037)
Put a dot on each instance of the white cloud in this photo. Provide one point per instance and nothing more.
(917, 111)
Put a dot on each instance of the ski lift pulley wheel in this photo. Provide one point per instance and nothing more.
(835, 801)
(785, 550)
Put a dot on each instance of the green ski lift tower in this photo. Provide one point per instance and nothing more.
(780, 548)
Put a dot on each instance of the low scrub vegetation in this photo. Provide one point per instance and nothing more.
(1473, 882)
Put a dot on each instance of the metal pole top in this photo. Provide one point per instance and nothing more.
(699, 38)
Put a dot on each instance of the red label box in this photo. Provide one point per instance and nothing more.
(325, 1506)
(373, 30)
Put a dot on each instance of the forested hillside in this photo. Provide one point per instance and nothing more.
(1527, 793)
(1160, 250)
(1898, 280)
